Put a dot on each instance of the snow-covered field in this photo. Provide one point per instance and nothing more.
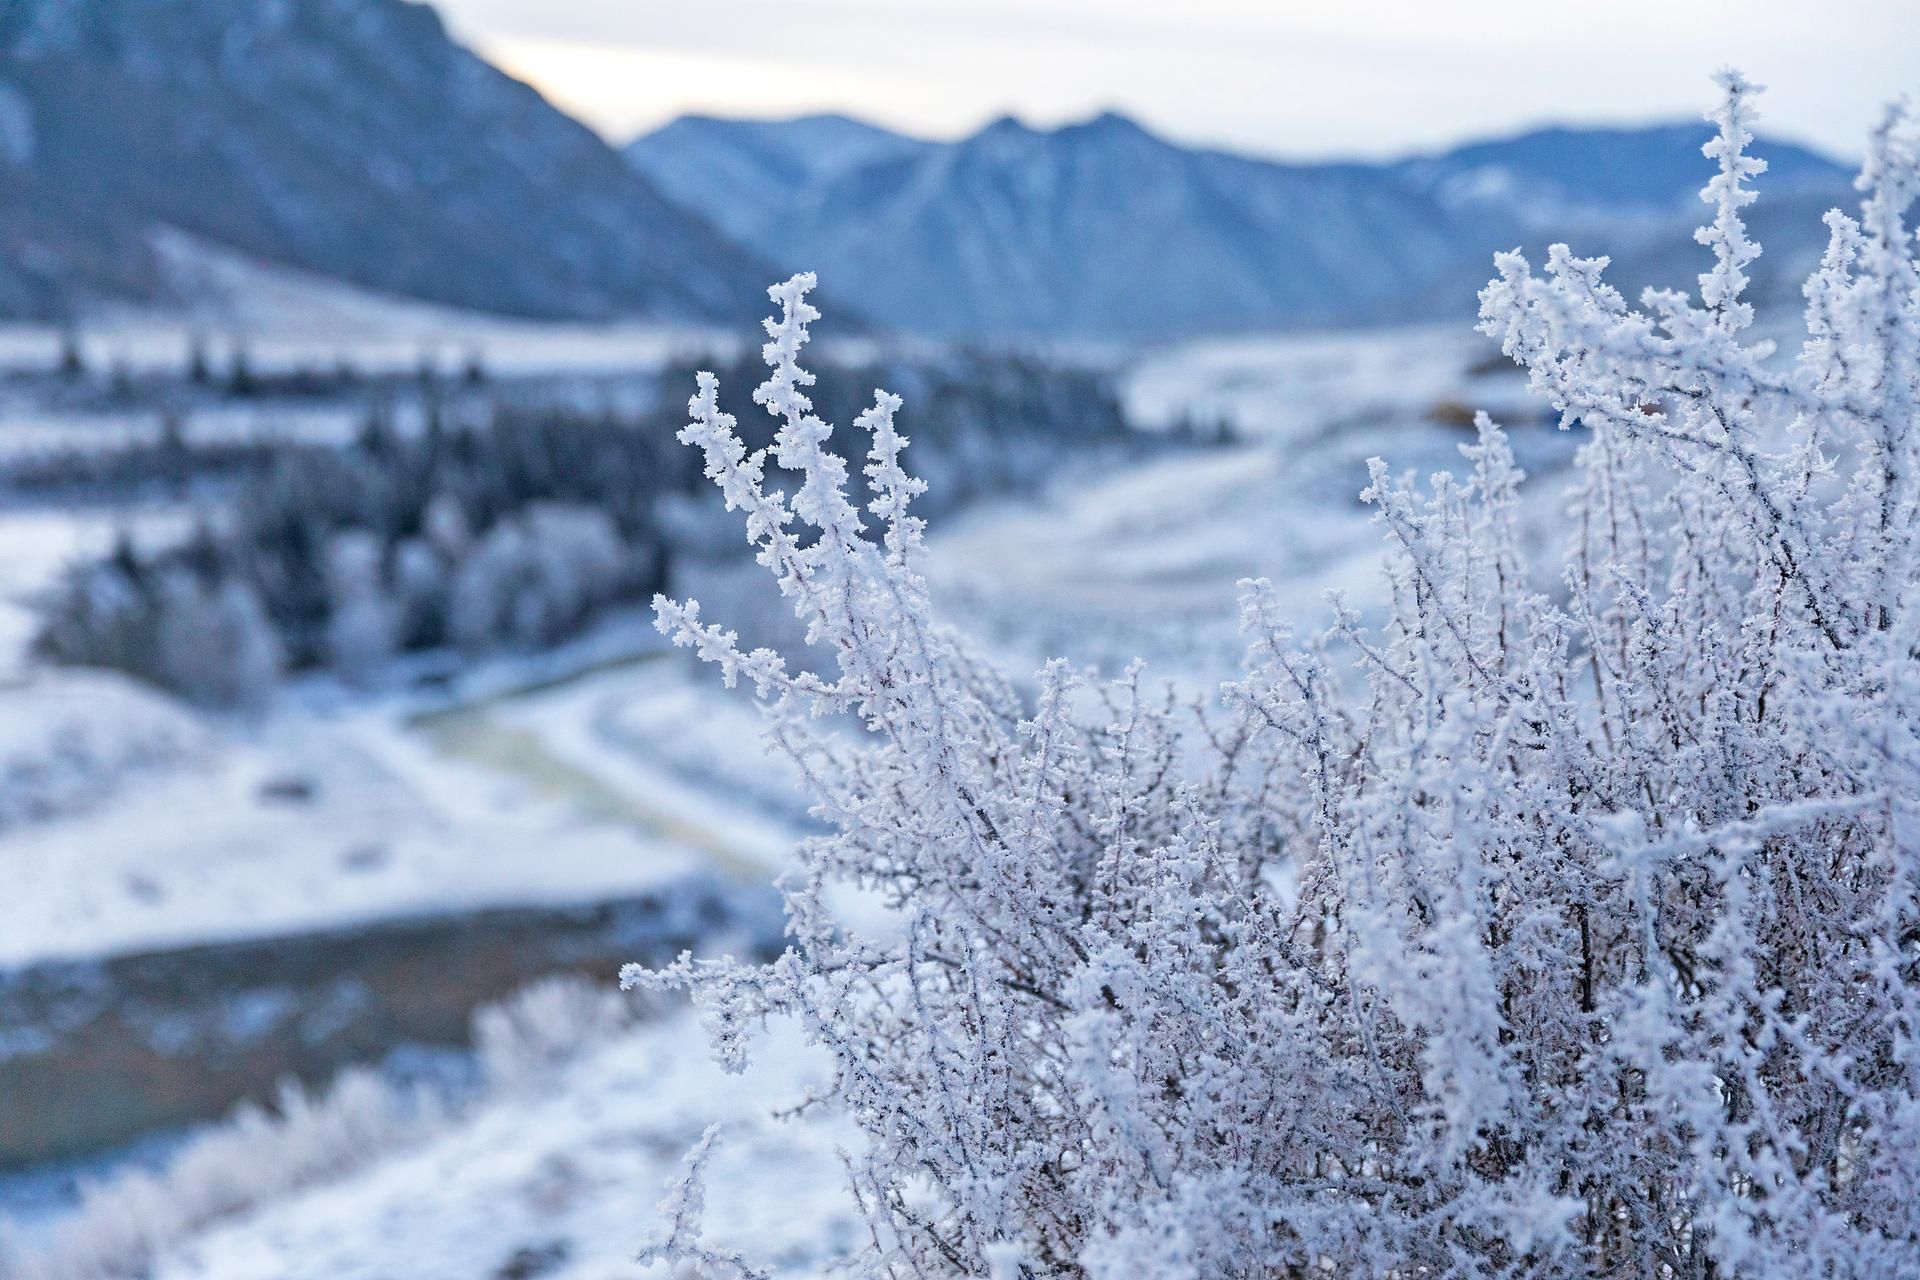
(286, 319)
(1144, 562)
(613, 767)
(198, 828)
(560, 1181)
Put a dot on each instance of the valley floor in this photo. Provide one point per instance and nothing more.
(612, 768)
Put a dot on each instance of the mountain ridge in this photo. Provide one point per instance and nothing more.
(1101, 227)
(356, 140)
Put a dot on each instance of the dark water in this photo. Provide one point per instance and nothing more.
(104, 1058)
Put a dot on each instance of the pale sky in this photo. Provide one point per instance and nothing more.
(1370, 77)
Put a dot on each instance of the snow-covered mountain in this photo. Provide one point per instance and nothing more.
(746, 174)
(352, 138)
(1555, 176)
(1094, 229)
(1104, 229)
(1631, 194)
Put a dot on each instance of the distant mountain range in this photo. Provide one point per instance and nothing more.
(351, 138)
(354, 140)
(1552, 177)
(1104, 229)
(1095, 229)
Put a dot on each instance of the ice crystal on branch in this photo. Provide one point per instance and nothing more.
(1577, 936)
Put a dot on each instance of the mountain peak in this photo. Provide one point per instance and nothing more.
(1111, 130)
(1105, 125)
(1113, 123)
(1006, 126)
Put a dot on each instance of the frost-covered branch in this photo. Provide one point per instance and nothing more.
(1518, 936)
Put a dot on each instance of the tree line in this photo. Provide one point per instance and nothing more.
(514, 530)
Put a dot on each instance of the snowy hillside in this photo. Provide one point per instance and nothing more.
(746, 174)
(352, 139)
(1553, 177)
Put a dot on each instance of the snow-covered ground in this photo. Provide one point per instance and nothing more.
(611, 767)
(198, 828)
(1295, 385)
(552, 1168)
(286, 319)
(1144, 562)
(560, 1181)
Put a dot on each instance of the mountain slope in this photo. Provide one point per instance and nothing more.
(745, 174)
(1633, 195)
(347, 137)
(1551, 175)
(1102, 229)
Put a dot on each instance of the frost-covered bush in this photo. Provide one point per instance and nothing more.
(363, 623)
(125, 1222)
(129, 1222)
(67, 740)
(537, 576)
(983, 423)
(536, 521)
(521, 1041)
(1573, 936)
(188, 623)
(215, 642)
